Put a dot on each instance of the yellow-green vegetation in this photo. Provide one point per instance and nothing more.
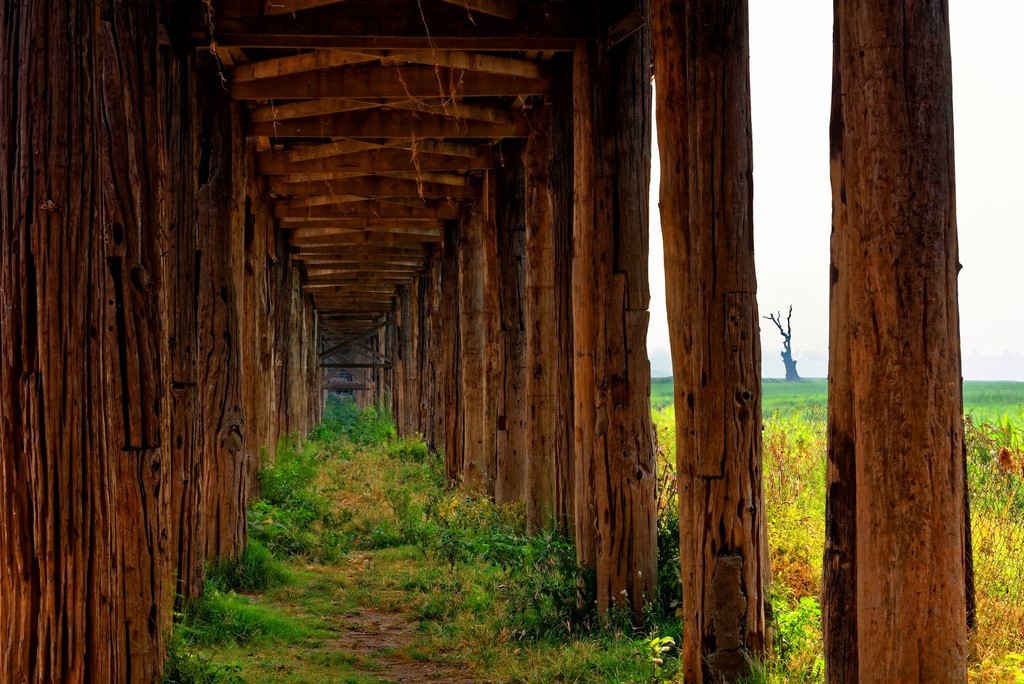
(794, 489)
(984, 401)
(363, 567)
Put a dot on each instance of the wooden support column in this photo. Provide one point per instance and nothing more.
(477, 351)
(221, 268)
(615, 463)
(181, 203)
(434, 338)
(512, 449)
(400, 353)
(895, 568)
(548, 162)
(701, 68)
(86, 586)
(451, 364)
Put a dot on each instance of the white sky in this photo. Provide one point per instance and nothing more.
(791, 83)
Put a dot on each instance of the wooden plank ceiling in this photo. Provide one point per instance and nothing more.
(373, 129)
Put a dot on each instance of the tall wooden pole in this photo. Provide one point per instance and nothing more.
(703, 89)
(477, 316)
(549, 216)
(510, 201)
(221, 268)
(615, 498)
(895, 593)
(451, 363)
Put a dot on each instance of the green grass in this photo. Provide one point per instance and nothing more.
(356, 528)
(363, 567)
(985, 401)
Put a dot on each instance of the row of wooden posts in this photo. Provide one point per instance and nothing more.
(155, 339)
(155, 335)
(522, 350)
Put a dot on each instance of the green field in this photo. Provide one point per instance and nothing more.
(985, 401)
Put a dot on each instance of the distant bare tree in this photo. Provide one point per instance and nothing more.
(787, 336)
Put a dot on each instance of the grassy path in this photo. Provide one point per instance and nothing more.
(355, 625)
(363, 568)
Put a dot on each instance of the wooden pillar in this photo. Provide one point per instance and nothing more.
(512, 437)
(181, 203)
(701, 67)
(451, 364)
(85, 475)
(615, 463)
(895, 605)
(433, 338)
(476, 336)
(548, 168)
(562, 140)
(221, 249)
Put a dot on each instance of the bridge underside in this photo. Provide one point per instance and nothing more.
(215, 212)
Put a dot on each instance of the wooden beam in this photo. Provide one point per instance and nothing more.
(368, 161)
(275, 7)
(373, 210)
(460, 110)
(472, 61)
(360, 224)
(355, 365)
(389, 124)
(367, 238)
(387, 81)
(295, 64)
(505, 9)
(304, 108)
(303, 234)
(387, 24)
(368, 252)
(341, 386)
(374, 186)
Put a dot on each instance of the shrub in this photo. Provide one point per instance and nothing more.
(217, 617)
(254, 570)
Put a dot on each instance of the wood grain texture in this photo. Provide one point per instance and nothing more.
(221, 267)
(451, 364)
(512, 437)
(701, 66)
(896, 353)
(615, 510)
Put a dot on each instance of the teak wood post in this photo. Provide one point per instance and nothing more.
(615, 463)
(512, 447)
(86, 584)
(478, 396)
(561, 166)
(548, 167)
(221, 254)
(701, 67)
(181, 202)
(434, 339)
(542, 327)
(451, 363)
(895, 604)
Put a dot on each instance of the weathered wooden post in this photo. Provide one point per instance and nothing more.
(703, 93)
(180, 131)
(894, 589)
(86, 588)
(548, 163)
(615, 463)
(451, 364)
(432, 395)
(512, 447)
(477, 317)
(221, 267)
